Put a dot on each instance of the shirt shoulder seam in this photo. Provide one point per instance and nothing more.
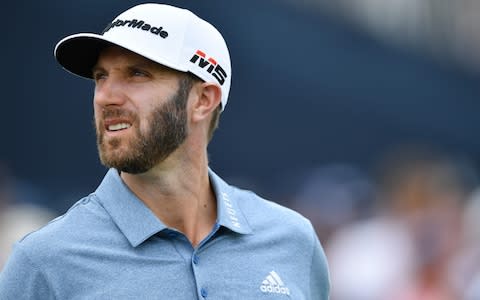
(82, 201)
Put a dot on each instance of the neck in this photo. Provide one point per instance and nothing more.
(179, 193)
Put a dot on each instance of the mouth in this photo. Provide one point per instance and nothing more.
(118, 126)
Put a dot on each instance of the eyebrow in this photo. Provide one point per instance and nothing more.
(96, 68)
(141, 65)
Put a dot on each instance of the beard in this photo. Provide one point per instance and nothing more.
(166, 132)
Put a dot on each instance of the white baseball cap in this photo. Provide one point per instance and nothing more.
(171, 36)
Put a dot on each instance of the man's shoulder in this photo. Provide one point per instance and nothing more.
(263, 212)
(79, 222)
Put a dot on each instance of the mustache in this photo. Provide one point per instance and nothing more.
(117, 113)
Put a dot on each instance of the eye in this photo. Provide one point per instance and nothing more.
(138, 72)
(99, 75)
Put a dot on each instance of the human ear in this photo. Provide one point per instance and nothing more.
(208, 99)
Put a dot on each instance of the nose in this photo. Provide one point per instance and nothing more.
(109, 92)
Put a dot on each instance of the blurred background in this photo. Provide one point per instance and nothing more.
(361, 114)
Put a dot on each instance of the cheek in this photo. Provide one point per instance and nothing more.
(144, 122)
(96, 112)
(97, 116)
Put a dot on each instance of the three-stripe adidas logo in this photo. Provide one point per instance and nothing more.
(274, 284)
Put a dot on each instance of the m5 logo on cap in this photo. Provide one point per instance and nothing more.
(200, 58)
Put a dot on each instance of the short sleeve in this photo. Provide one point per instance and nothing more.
(22, 279)
(319, 274)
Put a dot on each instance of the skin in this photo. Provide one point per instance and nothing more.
(177, 188)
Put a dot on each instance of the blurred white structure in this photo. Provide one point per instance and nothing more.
(17, 220)
(444, 29)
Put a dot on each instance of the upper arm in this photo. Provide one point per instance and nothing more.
(21, 278)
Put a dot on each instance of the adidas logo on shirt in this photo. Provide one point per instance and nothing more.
(274, 285)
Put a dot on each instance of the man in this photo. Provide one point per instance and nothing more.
(162, 225)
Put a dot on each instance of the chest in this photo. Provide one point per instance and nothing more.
(225, 268)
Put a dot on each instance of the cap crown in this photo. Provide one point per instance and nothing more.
(168, 35)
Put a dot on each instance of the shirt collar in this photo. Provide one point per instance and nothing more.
(229, 213)
(138, 223)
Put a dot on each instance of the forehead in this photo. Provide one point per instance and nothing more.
(115, 56)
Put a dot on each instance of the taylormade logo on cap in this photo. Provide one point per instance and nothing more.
(137, 24)
(168, 35)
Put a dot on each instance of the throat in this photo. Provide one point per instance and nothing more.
(182, 199)
(196, 225)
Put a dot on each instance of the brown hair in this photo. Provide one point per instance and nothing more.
(186, 83)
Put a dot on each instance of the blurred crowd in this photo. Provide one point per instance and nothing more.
(406, 230)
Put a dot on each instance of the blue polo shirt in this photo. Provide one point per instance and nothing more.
(109, 245)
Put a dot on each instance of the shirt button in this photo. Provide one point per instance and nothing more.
(195, 259)
(203, 292)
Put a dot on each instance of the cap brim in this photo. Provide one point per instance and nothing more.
(79, 53)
